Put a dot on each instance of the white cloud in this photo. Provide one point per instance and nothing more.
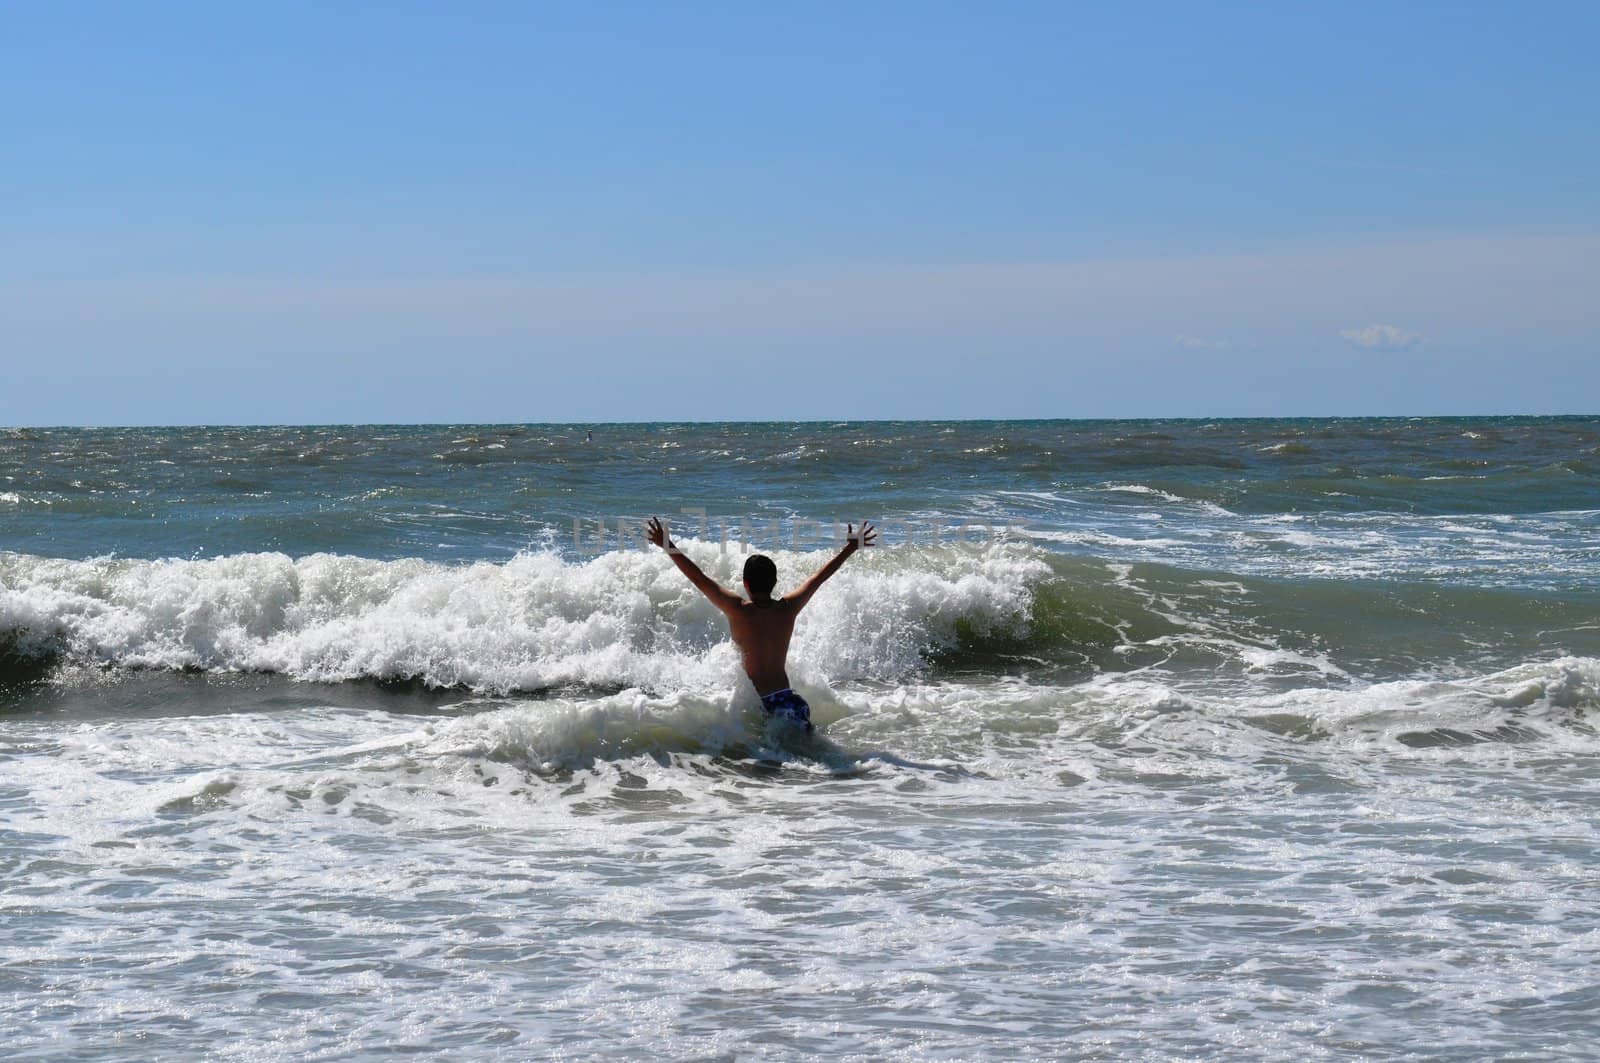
(1199, 343)
(1382, 338)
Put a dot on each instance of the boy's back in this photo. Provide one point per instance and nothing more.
(762, 633)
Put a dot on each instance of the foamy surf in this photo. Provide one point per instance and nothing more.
(563, 734)
(534, 622)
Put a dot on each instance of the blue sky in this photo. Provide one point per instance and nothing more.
(521, 212)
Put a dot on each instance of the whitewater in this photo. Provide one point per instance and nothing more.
(1254, 739)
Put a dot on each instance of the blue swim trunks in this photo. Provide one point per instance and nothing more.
(788, 705)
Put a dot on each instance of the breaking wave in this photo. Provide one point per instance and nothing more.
(537, 621)
(627, 619)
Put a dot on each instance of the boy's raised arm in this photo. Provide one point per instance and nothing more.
(721, 598)
(853, 542)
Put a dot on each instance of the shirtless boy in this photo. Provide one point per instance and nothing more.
(762, 626)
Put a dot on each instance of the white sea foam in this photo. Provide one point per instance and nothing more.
(1540, 707)
(622, 618)
(567, 733)
(1016, 729)
(1204, 505)
(1128, 853)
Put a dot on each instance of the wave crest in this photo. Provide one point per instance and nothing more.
(625, 618)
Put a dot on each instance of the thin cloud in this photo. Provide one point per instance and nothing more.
(1382, 338)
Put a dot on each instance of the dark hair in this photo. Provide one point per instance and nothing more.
(760, 574)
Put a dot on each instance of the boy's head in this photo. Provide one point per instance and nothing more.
(760, 575)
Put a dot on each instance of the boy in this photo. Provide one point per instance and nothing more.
(762, 626)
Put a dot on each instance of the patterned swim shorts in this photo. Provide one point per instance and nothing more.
(790, 706)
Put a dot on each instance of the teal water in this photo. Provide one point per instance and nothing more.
(1151, 739)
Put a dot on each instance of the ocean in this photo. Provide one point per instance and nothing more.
(1254, 739)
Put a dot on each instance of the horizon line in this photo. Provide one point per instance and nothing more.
(837, 421)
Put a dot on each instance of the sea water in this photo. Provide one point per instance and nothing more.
(1157, 739)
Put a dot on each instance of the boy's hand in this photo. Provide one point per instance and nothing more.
(868, 536)
(657, 534)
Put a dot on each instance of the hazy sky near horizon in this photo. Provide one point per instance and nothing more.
(515, 212)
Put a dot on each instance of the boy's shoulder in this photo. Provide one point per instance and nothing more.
(775, 608)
